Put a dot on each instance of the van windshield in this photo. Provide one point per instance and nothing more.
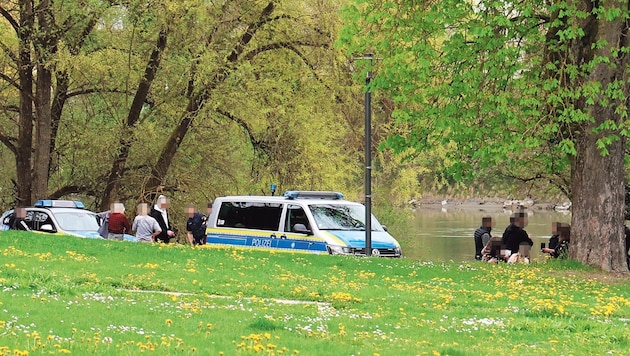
(341, 217)
(77, 221)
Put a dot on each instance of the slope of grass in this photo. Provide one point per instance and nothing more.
(70, 295)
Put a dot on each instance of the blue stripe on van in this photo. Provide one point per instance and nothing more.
(243, 240)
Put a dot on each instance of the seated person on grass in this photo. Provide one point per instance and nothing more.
(562, 249)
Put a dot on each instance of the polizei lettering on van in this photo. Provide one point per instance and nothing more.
(261, 243)
(306, 221)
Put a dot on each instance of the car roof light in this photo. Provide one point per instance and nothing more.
(308, 194)
(50, 203)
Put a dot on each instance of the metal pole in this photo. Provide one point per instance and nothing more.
(368, 162)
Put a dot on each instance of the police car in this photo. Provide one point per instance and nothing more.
(67, 217)
(306, 221)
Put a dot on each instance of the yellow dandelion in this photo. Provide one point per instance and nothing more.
(169, 322)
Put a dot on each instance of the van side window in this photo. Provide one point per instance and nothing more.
(296, 215)
(250, 215)
(36, 219)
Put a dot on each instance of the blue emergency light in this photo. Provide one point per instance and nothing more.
(50, 203)
(309, 194)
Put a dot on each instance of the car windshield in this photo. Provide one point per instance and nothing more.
(79, 220)
(341, 217)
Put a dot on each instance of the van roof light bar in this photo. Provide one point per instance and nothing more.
(309, 194)
(50, 203)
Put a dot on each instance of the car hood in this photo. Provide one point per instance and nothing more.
(356, 239)
(87, 234)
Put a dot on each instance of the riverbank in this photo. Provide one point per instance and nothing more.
(487, 204)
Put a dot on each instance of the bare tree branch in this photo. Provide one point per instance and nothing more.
(10, 19)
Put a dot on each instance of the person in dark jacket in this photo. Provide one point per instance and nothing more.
(159, 212)
(482, 236)
(564, 237)
(16, 220)
(515, 235)
(553, 240)
(195, 226)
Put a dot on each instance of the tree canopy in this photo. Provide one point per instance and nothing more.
(533, 87)
(184, 97)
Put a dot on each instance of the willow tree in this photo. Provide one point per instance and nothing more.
(251, 65)
(114, 100)
(535, 85)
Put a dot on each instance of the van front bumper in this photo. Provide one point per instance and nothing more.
(376, 252)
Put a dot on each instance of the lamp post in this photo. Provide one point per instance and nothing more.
(368, 157)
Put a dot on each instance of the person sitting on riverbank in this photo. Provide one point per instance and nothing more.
(522, 256)
(515, 234)
(491, 252)
(562, 249)
(553, 240)
(482, 236)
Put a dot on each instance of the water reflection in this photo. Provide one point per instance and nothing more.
(440, 234)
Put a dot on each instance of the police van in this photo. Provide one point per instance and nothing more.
(306, 221)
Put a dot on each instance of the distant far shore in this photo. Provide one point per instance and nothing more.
(487, 203)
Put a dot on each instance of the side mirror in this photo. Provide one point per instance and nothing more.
(47, 228)
(301, 228)
(384, 227)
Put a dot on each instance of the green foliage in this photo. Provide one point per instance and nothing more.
(474, 82)
(283, 112)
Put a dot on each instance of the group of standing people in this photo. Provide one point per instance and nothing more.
(151, 225)
(514, 245)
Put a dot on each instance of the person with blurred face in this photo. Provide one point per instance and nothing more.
(160, 213)
(554, 239)
(515, 235)
(16, 221)
(145, 226)
(195, 226)
(118, 224)
(564, 238)
(482, 236)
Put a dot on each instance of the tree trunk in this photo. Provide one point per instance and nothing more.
(597, 224)
(43, 134)
(23, 158)
(598, 184)
(45, 46)
(196, 103)
(118, 166)
(171, 146)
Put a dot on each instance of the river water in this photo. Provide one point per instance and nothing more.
(446, 233)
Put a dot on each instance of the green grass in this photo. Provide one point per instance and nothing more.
(69, 295)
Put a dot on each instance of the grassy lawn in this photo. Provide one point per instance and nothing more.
(69, 295)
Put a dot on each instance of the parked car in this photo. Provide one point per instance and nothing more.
(307, 221)
(67, 217)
